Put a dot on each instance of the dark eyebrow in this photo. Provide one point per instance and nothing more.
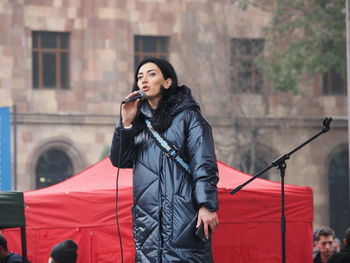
(146, 72)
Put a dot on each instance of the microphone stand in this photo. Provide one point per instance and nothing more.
(280, 162)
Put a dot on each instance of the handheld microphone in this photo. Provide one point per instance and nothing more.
(140, 95)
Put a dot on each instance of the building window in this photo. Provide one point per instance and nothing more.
(50, 60)
(256, 159)
(338, 186)
(246, 77)
(333, 83)
(150, 46)
(53, 166)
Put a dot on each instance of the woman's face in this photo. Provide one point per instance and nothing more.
(150, 79)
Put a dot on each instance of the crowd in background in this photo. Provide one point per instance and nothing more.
(330, 249)
(63, 252)
(327, 249)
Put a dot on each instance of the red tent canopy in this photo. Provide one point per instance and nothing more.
(83, 208)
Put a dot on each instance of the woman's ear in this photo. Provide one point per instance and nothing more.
(168, 83)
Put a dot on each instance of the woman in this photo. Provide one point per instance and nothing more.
(169, 202)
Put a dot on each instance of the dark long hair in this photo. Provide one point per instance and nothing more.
(161, 119)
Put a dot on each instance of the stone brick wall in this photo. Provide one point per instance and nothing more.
(102, 32)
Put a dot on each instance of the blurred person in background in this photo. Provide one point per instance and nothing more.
(338, 245)
(64, 252)
(5, 255)
(325, 245)
(344, 254)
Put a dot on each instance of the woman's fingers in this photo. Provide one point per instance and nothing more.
(129, 110)
(206, 231)
(210, 220)
(199, 220)
(213, 226)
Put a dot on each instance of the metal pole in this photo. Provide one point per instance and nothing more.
(348, 74)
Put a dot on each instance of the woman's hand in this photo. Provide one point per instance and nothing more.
(129, 110)
(210, 219)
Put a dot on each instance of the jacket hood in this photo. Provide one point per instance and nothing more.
(185, 101)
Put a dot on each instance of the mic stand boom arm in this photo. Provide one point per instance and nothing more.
(280, 162)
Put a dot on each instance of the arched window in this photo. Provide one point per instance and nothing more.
(338, 178)
(52, 167)
(256, 159)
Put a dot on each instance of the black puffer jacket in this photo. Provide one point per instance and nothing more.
(167, 199)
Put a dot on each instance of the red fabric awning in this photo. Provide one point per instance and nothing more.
(83, 208)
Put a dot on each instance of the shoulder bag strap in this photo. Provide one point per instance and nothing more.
(170, 150)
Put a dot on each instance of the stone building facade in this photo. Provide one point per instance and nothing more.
(72, 117)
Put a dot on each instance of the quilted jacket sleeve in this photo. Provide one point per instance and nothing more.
(127, 147)
(203, 163)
